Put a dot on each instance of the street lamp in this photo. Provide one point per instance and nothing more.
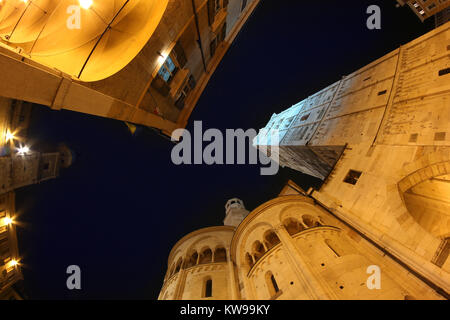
(9, 135)
(23, 150)
(85, 4)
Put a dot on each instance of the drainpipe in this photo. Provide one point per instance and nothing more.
(199, 41)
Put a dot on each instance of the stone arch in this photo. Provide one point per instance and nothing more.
(298, 209)
(293, 226)
(220, 254)
(249, 261)
(206, 256)
(191, 259)
(426, 195)
(178, 265)
(271, 239)
(248, 238)
(258, 250)
(172, 270)
(310, 221)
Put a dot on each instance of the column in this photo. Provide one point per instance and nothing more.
(232, 277)
(315, 289)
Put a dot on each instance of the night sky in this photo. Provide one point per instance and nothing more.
(121, 207)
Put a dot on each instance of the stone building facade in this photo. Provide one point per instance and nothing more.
(289, 248)
(380, 141)
(425, 9)
(391, 119)
(10, 271)
(145, 62)
(20, 167)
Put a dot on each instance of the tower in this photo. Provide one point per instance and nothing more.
(235, 212)
(380, 141)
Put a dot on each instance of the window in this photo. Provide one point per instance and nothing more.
(352, 177)
(258, 250)
(206, 257)
(306, 117)
(293, 226)
(180, 102)
(217, 6)
(168, 70)
(191, 260)
(272, 285)
(443, 72)
(244, 4)
(208, 293)
(271, 239)
(220, 255)
(440, 136)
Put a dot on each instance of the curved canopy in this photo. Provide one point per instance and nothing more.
(92, 41)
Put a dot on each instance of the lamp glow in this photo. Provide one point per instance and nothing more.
(23, 150)
(9, 135)
(8, 221)
(14, 263)
(85, 4)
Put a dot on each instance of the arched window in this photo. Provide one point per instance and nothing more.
(272, 284)
(172, 270)
(293, 226)
(258, 250)
(309, 221)
(178, 267)
(191, 260)
(249, 261)
(206, 256)
(271, 239)
(220, 255)
(208, 288)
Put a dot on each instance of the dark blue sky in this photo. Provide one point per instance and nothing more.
(121, 207)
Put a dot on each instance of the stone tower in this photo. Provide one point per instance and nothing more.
(379, 139)
(235, 212)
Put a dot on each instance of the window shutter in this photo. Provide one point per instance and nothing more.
(211, 12)
(161, 86)
(180, 54)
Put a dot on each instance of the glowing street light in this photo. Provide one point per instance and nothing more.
(14, 263)
(9, 135)
(6, 222)
(22, 150)
(85, 4)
